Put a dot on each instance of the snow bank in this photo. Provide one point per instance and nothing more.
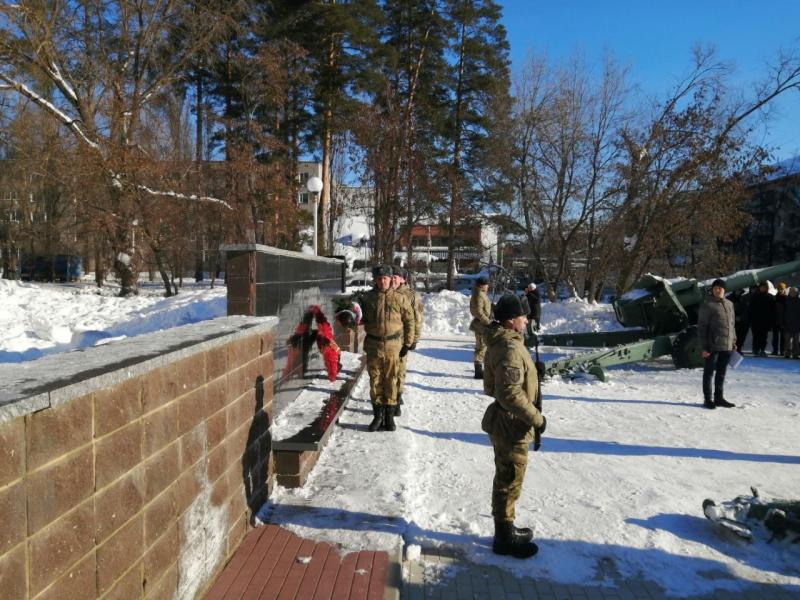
(447, 313)
(38, 319)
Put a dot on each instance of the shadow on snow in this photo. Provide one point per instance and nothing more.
(568, 446)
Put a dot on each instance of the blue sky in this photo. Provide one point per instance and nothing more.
(654, 39)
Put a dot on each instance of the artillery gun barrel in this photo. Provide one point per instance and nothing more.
(744, 279)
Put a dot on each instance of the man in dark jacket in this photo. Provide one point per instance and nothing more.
(510, 378)
(535, 303)
(717, 332)
(762, 318)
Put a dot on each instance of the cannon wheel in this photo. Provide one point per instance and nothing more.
(686, 350)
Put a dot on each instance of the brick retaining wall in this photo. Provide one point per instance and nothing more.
(136, 481)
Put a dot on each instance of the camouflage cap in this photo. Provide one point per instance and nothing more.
(381, 271)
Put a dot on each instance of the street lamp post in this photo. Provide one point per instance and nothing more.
(314, 185)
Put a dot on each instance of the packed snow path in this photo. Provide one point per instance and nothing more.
(617, 487)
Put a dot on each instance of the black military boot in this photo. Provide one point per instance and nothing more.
(388, 419)
(508, 542)
(523, 533)
(397, 410)
(723, 403)
(707, 403)
(377, 418)
(478, 370)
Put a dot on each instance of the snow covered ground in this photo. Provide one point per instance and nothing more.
(616, 489)
(619, 482)
(38, 319)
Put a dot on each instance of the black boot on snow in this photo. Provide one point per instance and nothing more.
(377, 418)
(478, 370)
(388, 419)
(723, 403)
(397, 410)
(523, 533)
(508, 542)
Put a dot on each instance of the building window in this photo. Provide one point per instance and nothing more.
(304, 178)
(302, 198)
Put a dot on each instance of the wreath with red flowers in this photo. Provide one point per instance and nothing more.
(331, 353)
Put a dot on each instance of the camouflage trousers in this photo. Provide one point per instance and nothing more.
(383, 366)
(480, 348)
(401, 375)
(510, 463)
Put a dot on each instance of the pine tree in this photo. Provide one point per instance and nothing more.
(479, 77)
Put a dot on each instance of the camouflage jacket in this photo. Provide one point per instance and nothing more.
(481, 310)
(388, 314)
(416, 305)
(510, 378)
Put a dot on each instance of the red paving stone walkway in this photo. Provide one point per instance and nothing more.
(273, 563)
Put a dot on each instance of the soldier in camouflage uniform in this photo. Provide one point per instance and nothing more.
(481, 310)
(510, 421)
(399, 278)
(388, 321)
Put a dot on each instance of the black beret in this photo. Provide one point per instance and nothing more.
(718, 283)
(508, 307)
(396, 270)
(481, 281)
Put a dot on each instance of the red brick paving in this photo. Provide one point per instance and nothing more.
(266, 567)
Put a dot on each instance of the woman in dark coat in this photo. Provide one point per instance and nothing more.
(741, 306)
(762, 318)
(791, 323)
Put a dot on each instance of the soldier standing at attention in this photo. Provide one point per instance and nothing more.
(510, 421)
(388, 321)
(399, 283)
(481, 310)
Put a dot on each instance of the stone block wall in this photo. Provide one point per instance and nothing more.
(137, 481)
(296, 457)
(267, 281)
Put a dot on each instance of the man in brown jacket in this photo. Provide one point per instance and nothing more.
(510, 421)
(388, 321)
(481, 310)
(399, 283)
(716, 328)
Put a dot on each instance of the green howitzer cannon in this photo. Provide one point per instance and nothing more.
(663, 318)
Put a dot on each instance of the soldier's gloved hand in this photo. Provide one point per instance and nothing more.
(413, 346)
(540, 430)
(403, 351)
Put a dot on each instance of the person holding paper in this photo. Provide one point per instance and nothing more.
(716, 327)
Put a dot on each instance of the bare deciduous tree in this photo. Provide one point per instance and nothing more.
(97, 67)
